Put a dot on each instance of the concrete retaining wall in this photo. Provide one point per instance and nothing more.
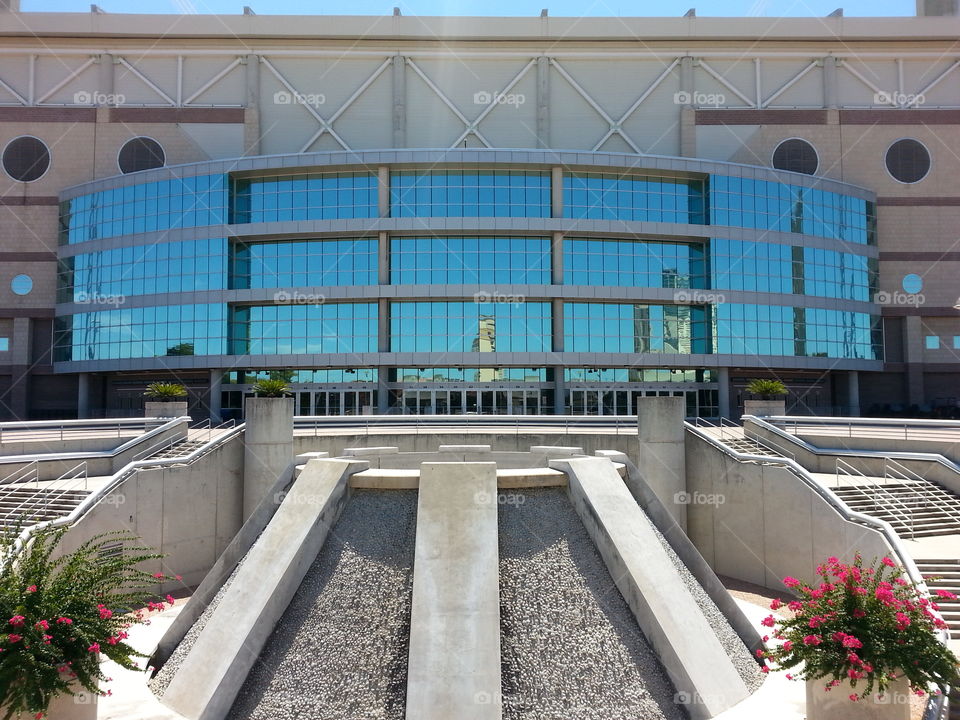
(760, 523)
(947, 449)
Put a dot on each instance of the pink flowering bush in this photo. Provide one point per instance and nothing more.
(866, 626)
(58, 615)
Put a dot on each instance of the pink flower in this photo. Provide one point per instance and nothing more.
(858, 613)
(788, 646)
(768, 621)
(795, 605)
(854, 697)
(851, 642)
(832, 560)
(171, 600)
(888, 562)
(13, 637)
(95, 648)
(105, 614)
(47, 639)
(946, 595)
(776, 604)
(32, 589)
(42, 625)
(764, 669)
(64, 621)
(17, 620)
(158, 575)
(791, 581)
(812, 640)
(815, 621)
(903, 621)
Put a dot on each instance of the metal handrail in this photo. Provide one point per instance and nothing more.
(76, 425)
(892, 500)
(919, 486)
(904, 423)
(27, 473)
(116, 479)
(938, 703)
(74, 473)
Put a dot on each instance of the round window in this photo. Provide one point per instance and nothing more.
(22, 284)
(912, 283)
(908, 161)
(796, 155)
(140, 153)
(26, 158)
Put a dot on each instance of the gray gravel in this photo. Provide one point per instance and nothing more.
(739, 654)
(340, 650)
(570, 646)
(163, 678)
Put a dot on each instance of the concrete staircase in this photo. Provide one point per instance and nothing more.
(948, 572)
(27, 504)
(914, 509)
(181, 448)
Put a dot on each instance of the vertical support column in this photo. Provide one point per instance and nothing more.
(723, 393)
(688, 115)
(853, 393)
(662, 453)
(454, 664)
(383, 259)
(543, 102)
(556, 192)
(213, 402)
(21, 345)
(383, 392)
(383, 191)
(83, 396)
(830, 90)
(559, 385)
(913, 356)
(105, 70)
(556, 258)
(267, 446)
(399, 101)
(383, 325)
(251, 112)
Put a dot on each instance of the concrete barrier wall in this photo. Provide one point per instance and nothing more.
(190, 513)
(892, 444)
(760, 523)
(87, 444)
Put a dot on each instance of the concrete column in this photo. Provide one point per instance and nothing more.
(556, 258)
(454, 666)
(913, 356)
(559, 392)
(688, 115)
(83, 395)
(21, 352)
(830, 90)
(557, 324)
(399, 101)
(556, 192)
(105, 69)
(383, 325)
(383, 191)
(383, 392)
(213, 401)
(267, 446)
(251, 112)
(543, 102)
(662, 453)
(723, 394)
(383, 259)
(853, 393)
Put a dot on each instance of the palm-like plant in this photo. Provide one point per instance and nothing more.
(165, 391)
(767, 389)
(271, 387)
(59, 614)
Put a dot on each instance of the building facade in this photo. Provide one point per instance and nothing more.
(478, 215)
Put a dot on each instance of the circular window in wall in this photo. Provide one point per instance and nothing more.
(140, 153)
(26, 158)
(22, 284)
(796, 155)
(912, 283)
(908, 160)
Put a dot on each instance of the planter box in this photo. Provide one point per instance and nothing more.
(837, 705)
(764, 408)
(82, 706)
(154, 408)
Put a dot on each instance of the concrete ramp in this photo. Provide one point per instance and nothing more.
(665, 609)
(454, 665)
(208, 679)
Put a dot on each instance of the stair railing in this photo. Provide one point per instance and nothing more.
(921, 488)
(894, 505)
(73, 480)
(28, 473)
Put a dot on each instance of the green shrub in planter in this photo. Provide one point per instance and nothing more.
(59, 615)
(864, 627)
(165, 392)
(767, 389)
(271, 387)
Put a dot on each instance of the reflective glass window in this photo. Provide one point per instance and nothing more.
(469, 375)
(107, 277)
(147, 207)
(469, 260)
(628, 328)
(630, 263)
(469, 193)
(620, 196)
(303, 329)
(470, 327)
(313, 196)
(632, 375)
(333, 376)
(141, 332)
(304, 263)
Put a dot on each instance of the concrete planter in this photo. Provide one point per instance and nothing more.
(82, 706)
(165, 409)
(837, 705)
(268, 446)
(764, 408)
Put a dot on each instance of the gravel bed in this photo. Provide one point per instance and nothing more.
(738, 653)
(340, 650)
(163, 678)
(570, 646)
